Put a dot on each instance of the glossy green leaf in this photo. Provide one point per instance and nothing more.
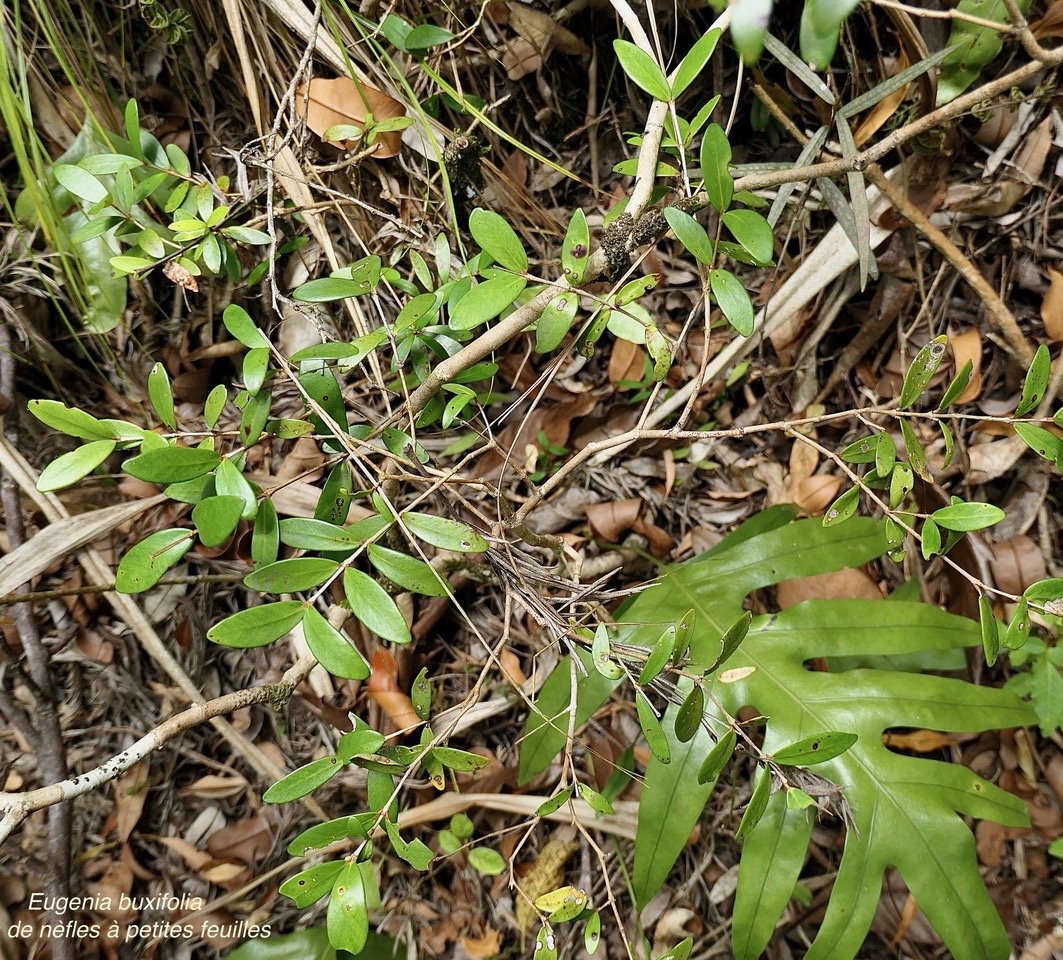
(563, 904)
(843, 508)
(443, 533)
(972, 46)
(931, 534)
(817, 749)
(753, 232)
(651, 728)
(255, 369)
(172, 464)
(659, 656)
(304, 781)
(556, 321)
(161, 395)
(348, 911)
(691, 234)
(487, 861)
(964, 517)
(758, 803)
(144, 565)
(731, 640)
(335, 500)
(216, 518)
(415, 853)
(291, 576)
(229, 481)
(681, 951)
(545, 943)
(329, 289)
(715, 167)
(733, 299)
(265, 541)
(239, 323)
(592, 934)
(324, 834)
(688, 718)
(257, 626)
(406, 571)
(80, 183)
(74, 466)
(333, 650)
(575, 250)
(421, 694)
(69, 420)
(694, 62)
(990, 630)
(311, 885)
(323, 389)
(214, 405)
(642, 69)
(254, 418)
(957, 386)
(600, 655)
(371, 604)
(305, 533)
(498, 240)
(901, 483)
(1018, 631)
(460, 760)
(486, 301)
(922, 370)
(716, 759)
(660, 351)
(1043, 442)
(596, 801)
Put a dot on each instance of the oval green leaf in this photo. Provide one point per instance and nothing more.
(257, 626)
(348, 912)
(443, 533)
(264, 538)
(371, 604)
(651, 728)
(406, 571)
(688, 719)
(74, 466)
(161, 395)
(964, 517)
(144, 565)
(691, 234)
(818, 749)
(1036, 382)
(713, 764)
(303, 781)
(311, 885)
(332, 649)
(291, 576)
(642, 69)
(172, 464)
(758, 803)
(733, 300)
(486, 301)
(323, 834)
(922, 370)
(216, 518)
(753, 232)
(498, 240)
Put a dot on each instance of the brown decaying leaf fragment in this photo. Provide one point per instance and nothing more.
(342, 101)
(968, 346)
(1052, 306)
(385, 690)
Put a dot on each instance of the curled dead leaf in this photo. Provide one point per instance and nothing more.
(612, 520)
(1017, 562)
(968, 346)
(1052, 306)
(343, 102)
(542, 31)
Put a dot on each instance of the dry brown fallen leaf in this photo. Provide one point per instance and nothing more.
(1052, 306)
(542, 31)
(968, 346)
(849, 584)
(329, 103)
(130, 792)
(1051, 24)
(1016, 563)
(613, 519)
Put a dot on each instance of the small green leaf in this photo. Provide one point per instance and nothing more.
(216, 518)
(69, 420)
(688, 719)
(545, 943)
(161, 395)
(575, 249)
(901, 483)
(1033, 387)
(172, 464)
(563, 904)
(660, 352)
(487, 861)
(445, 534)
(257, 626)
(958, 385)
(214, 404)
(406, 571)
(717, 758)
(255, 368)
(681, 951)
(931, 534)
(691, 234)
(658, 656)
(421, 694)
(642, 70)
(797, 799)
(264, 537)
(371, 604)
(311, 885)
(460, 760)
(305, 533)
(299, 783)
(291, 576)
(1018, 631)
(922, 370)
(332, 649)
(144, 565)
(335, 500)
(715, 167)
(595, 800)
(556, 321)
(600, 654)
(322, 387)
(758, 803)
(486, 301)
(555, 803)
(415, 853)
(916, 454)
(753, 232)
(229, 481)
(74, 466)
(964, 517)
(842, 508)
(733, 299)
(990, 630)
(732, 640)
(592, 933)
(498, 240)
(80, 183)
(239, 323)
(324, 834)
(329, 289)
(248, 235)
(348, 912)
(1043, 442)
(818, 749)
(694, 62)
(651, 728)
